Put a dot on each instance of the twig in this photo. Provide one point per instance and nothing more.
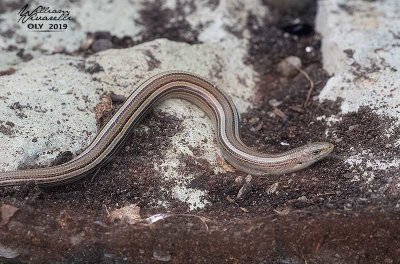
(201, 218)
(108, 212)
(306, 102)
(164, 216)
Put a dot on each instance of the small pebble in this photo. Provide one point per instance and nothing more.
(272, 188)
(248, 178)
(289, 66)
(302, 199)
(246, 188)
(239, 179)
(351, 128)
(101, 44)
(274, 102)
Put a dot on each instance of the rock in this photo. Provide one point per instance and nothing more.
(289, 66)
(239, 180)
(7, 211)
(101, 44)
(272, 189)
(64, 90)
(52, 99)
(302, 199)
(246, 188)
(360, 50)
(129, 214)
(363, 75)
(7, 252)
(102, 20)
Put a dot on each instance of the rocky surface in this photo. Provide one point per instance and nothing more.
(167, 196)
(361, 49)
(49, 102)
(127, 22)
(27, 145)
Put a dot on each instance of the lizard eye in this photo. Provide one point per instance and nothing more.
(315, 152)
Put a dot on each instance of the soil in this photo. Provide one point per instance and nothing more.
(328, 213)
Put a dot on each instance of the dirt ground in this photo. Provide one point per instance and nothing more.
(323, 214)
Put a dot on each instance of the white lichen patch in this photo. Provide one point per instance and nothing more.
(330, 120)
(369, 164)
(193, 197)
(375, 162)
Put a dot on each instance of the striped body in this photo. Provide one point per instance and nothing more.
(189, 87)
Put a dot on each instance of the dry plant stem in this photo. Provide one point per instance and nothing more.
(310, 90)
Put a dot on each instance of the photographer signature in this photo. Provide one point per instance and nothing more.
(42, 13)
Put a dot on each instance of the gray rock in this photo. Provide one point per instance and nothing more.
(101, 44)
(359, 49)
(50, 102)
